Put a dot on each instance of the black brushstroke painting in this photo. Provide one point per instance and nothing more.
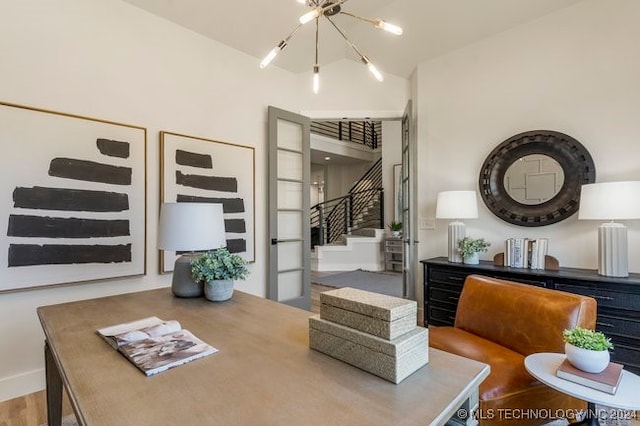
(235, 225)
(237, 245)
(58, 254)
(113, 148)
(211, 183)
(91, 171)
(229, 205)
(186, 158)
(42, 198)
(57, 227)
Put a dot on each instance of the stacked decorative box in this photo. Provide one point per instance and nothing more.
(372, 331)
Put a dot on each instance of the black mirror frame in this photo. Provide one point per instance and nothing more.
(577, 165)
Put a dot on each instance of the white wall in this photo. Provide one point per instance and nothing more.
(112, 61)
(575, 71)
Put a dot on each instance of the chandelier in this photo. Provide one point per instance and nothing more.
(328, 9)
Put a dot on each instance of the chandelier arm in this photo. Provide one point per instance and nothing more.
(317, 31)
(291, 34)
(362, 18)
(349, 42)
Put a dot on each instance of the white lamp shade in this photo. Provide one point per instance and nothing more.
(610, 201)
(457, 205)
(191, 226)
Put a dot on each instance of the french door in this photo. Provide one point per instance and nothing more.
(289, 198)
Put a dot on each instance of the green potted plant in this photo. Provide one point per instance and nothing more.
(469, 248)
(396, 228)
(217, 269)
(587, 350)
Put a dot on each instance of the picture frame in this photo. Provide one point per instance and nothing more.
(196, 169)
(76, 191)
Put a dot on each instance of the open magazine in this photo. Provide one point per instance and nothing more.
(154, 345)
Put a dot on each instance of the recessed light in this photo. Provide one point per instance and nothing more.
(327, 158)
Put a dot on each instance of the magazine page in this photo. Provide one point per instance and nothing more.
(159, 353)
(120, 334)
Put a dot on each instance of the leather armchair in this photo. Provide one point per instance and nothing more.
(499, 323)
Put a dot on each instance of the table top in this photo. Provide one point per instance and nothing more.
(264, 372)
(543, 367)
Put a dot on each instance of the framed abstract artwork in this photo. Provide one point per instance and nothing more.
(75, 191)
(199, 170)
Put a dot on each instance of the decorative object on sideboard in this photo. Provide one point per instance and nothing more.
(216, 270)
(611, 201)
(545, 148)
(526, 253)
(189, 227)
(456, 205)
(470, 248)
(587, 350)
(328, 9)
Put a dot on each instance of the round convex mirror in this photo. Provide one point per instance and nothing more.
(533, 179)
(541, 204)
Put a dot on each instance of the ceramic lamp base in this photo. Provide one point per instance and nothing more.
(612, 250)
(182, 285)
(456, 233)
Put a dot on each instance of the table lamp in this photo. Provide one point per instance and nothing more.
(189, 227)
(456, 205)
(611, 201)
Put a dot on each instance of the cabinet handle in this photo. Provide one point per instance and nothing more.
(604, 324)
(455, 278)
(601, 297)
(452, 318)
(455, 299)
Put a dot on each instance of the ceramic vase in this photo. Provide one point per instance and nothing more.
(586, 359)
(474, 259)
(218, 290)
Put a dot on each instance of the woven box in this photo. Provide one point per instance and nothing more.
(393, 360)
(384, 316)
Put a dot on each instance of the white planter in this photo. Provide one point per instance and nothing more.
(586, 359)
(218, 290)
(474, 259)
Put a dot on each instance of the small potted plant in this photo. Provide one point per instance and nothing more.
(469, 248)
(396, 228)
(587, 350)
(217, 269)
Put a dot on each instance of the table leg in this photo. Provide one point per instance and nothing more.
(54, 388)
(591, 419)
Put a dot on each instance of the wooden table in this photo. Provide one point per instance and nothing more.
(543, 367)
(264, 372)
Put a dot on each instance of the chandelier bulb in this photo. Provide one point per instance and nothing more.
(267, 59)
(372, 68)
(311, 15)
(316, 79)
(386, 26)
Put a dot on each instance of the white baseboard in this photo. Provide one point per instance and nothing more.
(22, 384)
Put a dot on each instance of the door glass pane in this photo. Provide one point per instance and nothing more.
(289, 195)
(289, 135)
(290, 255)
(289, 225)
(289, 285)
(289, 165)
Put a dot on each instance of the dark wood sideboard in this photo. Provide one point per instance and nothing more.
(618, 298)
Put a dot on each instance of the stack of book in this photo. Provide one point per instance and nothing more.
(372, 331)
(606, 381)
(526, 252)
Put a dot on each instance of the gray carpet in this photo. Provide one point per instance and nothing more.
(377, 282)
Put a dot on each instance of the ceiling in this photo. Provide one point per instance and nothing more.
(431, 27)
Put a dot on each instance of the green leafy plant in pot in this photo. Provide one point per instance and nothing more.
(469, 248)
(587, 350)
(218, 269)
(396, 228)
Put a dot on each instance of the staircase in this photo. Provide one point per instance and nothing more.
(347, 232)
(362, 249)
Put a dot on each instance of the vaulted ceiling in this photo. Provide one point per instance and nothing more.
(431, 27)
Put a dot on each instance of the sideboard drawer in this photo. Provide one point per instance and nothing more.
(444, 276)
(444, 296)
(623, 327)
(627, 355)
(440, 316)
(605, 298)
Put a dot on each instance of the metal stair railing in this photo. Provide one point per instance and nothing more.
(362, 207)
(367, 133)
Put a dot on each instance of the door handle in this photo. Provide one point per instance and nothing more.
(275, 241)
